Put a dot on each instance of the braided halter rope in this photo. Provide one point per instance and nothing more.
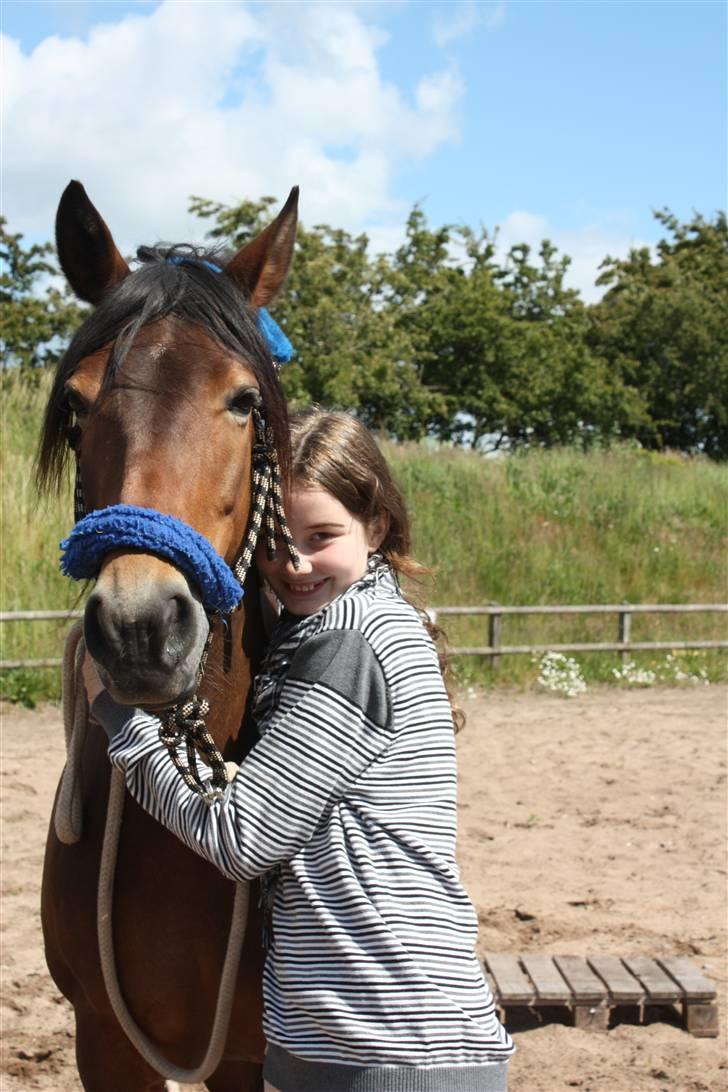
(266, 506)
(185, 722)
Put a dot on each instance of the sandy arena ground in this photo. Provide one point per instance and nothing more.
(587, 825)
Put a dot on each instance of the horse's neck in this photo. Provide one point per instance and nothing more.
(234, 657)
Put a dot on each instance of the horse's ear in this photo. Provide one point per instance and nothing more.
(261, 266)
(86, 250)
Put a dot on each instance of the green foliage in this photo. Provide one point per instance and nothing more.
(559, 526)
(23, 687)
(444, 339)
(30, 578)
(34, 327)
(663, 328)
(504, 345)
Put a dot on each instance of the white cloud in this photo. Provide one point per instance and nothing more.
(225, 100)
(587, 246)
(455, 20)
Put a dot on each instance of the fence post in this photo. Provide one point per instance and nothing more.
(494, 636)
(625, 634)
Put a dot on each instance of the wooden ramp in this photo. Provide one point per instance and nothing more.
(590, 987)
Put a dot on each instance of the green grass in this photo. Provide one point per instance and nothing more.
(544, 527)
(33, 526)
(564, 527)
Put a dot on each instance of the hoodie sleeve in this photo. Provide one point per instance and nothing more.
(332, 721)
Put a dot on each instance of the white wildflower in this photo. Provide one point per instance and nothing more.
(673, 671)
(632, 675)
(560, 675)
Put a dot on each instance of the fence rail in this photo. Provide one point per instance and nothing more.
(495, 612)
(624, 644)
(36, 616)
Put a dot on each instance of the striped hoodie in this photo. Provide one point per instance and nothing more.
(346, 808)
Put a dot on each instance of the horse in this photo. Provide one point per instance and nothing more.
(156, 395)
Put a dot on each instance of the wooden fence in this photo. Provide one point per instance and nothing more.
(624, 644)
(495, 613)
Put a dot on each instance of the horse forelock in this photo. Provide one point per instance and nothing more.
(188, 291)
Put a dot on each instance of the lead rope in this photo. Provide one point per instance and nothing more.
(228, 979)
(67, 816)
(67, 822)
(68, 826)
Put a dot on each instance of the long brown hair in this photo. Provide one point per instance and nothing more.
(336, 452)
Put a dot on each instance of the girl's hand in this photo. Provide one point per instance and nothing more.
(91, 679)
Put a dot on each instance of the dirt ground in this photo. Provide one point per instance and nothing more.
(588, 825)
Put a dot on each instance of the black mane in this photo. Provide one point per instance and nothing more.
(171, 280)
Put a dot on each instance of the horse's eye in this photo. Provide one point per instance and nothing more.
(243, 401)
(75, 403)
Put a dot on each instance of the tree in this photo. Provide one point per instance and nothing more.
(562, 392)
(662, 326)
(503, 343)
(34, 326)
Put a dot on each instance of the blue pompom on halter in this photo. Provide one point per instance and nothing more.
(129, 526)
(280, 347)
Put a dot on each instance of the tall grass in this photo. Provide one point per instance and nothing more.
(564, 527)
(32, 527)
(543, 527)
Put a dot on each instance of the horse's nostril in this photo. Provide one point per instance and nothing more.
(100, 634)
(176, 611)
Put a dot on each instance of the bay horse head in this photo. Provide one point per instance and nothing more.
(157, 392)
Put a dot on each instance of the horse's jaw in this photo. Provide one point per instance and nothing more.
(146, 630)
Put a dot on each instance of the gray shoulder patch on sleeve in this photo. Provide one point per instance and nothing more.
(343, 660)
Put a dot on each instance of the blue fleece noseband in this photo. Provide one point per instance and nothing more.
(128, 526)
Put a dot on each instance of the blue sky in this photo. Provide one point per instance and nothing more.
(570, 121)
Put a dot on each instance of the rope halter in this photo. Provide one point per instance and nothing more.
(185, 722)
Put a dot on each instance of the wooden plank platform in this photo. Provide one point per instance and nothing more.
(581, 978)
(590, 987)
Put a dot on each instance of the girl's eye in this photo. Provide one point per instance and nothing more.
(243, 401)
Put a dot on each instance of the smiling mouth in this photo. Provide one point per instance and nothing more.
(305, 589)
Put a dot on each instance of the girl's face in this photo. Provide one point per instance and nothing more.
(333, 546)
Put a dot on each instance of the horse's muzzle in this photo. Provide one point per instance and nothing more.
(146, 630)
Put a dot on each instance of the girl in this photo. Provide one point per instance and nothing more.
(346, 805)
